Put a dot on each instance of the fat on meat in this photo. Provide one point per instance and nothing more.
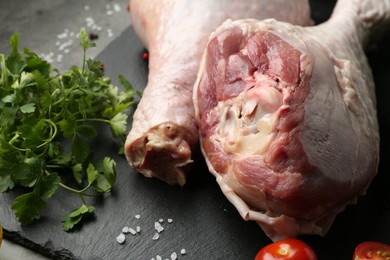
(287, 116)
(164, 136)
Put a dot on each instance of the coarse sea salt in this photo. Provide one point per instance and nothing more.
(89, 21)
(156, 236)
(173, 256)
(66, 44)
(109, 32)
(59, 58)
(125, 230)
(117, 7)
(158, 227)
(121, 238)
(132, 231)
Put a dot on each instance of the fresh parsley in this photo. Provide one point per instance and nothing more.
(40, 110)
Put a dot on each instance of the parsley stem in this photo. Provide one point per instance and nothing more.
(84, 55)
(13, 139)
(82, 199)
(53, 132)
(55, 166)
(94, 120)
(80, 192)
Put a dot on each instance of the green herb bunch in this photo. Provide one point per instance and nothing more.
(41, 109)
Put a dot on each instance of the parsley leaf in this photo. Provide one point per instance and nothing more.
(48, 185)
(48, 120)
(6, 183)
(74, 217)
(118, 124)
(28, 108)
(27, 207)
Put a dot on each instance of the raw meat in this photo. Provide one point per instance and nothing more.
(164, 135)
(287, 116)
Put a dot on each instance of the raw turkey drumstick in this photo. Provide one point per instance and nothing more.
(287, 116)
(164, 134)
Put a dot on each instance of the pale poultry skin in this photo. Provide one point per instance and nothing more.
(163, 139)
(287, 116)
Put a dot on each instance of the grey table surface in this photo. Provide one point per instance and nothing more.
(49, 28)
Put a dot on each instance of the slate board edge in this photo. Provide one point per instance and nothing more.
(45, 249)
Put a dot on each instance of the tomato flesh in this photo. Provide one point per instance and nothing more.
(290, 249)
(372, 251)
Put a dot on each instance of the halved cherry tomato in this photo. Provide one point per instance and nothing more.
(372, 251)
(290, 249)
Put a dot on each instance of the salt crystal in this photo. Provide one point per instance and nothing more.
(62, 35)
(125, 229)
(65, 44)
(89, 21)
(109, 32)
(161, 220)
(170, 220)
(61, 47)
(110, 12)
(137, 216)
(132, 231)
(121, 238)
(156, 236)
(158, 257)
(183, 251)
(48, 59)
(59, 57)
(158, 227)
(117, 7)
(86, 8)
(173, 256)
(138, 229)
(66, 51)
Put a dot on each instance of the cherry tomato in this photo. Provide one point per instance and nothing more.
(372, 251)
(290, 249)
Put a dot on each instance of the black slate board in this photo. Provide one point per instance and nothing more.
(204, 222)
